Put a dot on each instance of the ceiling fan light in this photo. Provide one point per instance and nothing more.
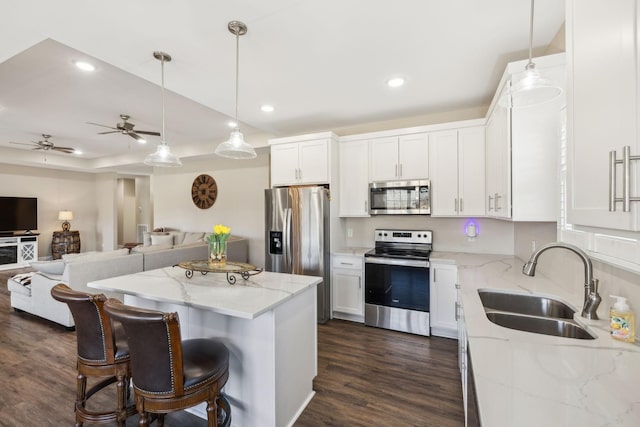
(162, 157)
(236, 147)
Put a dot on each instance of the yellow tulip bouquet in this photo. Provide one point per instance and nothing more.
(218, 244)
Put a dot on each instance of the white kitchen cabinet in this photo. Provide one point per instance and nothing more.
(301, 162)
(523, 150)
(347, 286)
(602, 107)
(457, 172)
(463, 358)
(443, 299)
(403, 157)
(354, 178)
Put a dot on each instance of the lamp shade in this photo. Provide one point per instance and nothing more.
(162, 157)
(65, 215)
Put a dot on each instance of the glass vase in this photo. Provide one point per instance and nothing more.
(217, 253)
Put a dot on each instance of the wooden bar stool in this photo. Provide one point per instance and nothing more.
(102, 352)
(169, 374)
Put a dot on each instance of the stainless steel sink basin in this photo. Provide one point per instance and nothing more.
(532, 313)
(540, 325)
(533, 305)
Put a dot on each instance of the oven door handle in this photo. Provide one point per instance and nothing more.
(394, 261)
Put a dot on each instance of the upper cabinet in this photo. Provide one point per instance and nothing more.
(457, 168)
(602, 112)
(523, 150)
(353, 160)
(302, 160)
(399, 157)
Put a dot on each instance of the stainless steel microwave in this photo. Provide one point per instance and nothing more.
(400, 197)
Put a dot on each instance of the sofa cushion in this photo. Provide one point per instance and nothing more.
(96, 256)
(192, 237)
(151, 248)
(51, 267)
(161, 240)
(66, 257)
(178, 237)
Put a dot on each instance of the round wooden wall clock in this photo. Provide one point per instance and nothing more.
(204, 191)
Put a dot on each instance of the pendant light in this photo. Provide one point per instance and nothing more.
(235, 147)
(530, 88)
(162, 157)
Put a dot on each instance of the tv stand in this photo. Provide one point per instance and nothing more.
(18, 250)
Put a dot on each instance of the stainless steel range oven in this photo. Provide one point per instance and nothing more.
(397, 281)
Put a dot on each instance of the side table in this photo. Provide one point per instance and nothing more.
(65, 242)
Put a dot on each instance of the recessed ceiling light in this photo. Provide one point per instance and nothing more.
(395, 82)
(84, 66)
(267, 108)
(232, 124)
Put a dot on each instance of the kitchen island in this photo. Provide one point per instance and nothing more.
(526, 379)
(268, 322)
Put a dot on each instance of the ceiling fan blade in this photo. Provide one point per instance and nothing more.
(145, 132)
(67, 150)
(104, 126)
(20, 143)
(111, 131)
(136, 137)
(40, 148)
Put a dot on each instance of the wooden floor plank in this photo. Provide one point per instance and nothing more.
(366, 376)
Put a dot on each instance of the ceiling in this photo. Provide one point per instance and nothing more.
(321, 64)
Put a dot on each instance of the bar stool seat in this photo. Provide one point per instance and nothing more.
(103, 352)
(169, 374)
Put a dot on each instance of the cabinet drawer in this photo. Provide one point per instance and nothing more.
(347, 261)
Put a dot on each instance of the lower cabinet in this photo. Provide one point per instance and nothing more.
(443, 297)
(347, 282)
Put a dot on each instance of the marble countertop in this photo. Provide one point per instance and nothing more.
(353, 251)
(246, 298)
(526, 379)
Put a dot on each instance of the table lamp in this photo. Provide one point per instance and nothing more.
(65, 216)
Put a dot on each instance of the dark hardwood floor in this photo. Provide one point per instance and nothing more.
(366, 376)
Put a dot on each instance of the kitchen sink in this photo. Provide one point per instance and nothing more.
(533, 305)
(532, 313)
(539, 325)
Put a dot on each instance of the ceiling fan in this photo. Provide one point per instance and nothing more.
(126, 127)
(46, 145)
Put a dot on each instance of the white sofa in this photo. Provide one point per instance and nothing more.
(76, 270)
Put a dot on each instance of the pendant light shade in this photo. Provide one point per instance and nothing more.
(235, 147)
(163, 156)
(529, 87)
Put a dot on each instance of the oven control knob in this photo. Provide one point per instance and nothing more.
(419, 235)
(385, 234)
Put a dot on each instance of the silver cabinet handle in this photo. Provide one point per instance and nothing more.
(498, 197)
(461, 205)
(366, 209)
(359, 282)
(455, 204)
(457, 285)
(456, 311)
(490, 200)
(400, 170)
(626, 198)
(396, 170)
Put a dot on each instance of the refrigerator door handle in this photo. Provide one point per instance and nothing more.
(287, 240)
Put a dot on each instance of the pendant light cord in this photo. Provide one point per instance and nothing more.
(162, 80)
(237, 72)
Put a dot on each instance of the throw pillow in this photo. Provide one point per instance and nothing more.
(178, 237)
(147, 236)
(161, 240)
(50, 267)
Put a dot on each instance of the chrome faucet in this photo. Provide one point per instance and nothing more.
(591, 297)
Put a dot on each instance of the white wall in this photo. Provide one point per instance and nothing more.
(56, 190)
(240, 202)
(106, 212)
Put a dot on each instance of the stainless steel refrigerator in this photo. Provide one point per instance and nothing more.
(297, 236)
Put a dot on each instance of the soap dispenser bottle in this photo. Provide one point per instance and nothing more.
(621, 320)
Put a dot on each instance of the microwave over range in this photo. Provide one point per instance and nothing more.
(400, 197)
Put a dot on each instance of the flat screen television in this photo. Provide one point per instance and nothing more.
(18, 214)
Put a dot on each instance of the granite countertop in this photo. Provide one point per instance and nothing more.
(246, 299)
(526, 379)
